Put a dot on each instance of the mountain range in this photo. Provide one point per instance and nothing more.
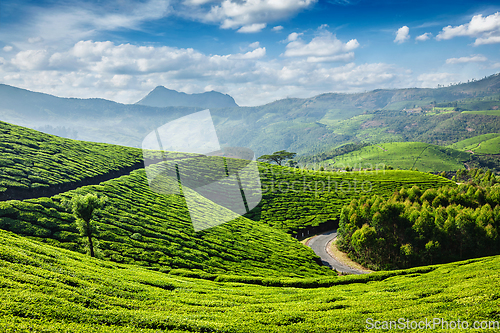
(306, 126)
(162, 97)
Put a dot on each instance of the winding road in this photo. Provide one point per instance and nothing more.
(319, 245)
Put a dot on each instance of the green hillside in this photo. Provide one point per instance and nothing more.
(306, 126)
(46, 289)
(484, 112)
(154, 230)
(31, 159)
(481, 144)
(294, 198)
(403, 155)
(142, 227)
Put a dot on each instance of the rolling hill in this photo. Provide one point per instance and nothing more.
(402, 155)
(47, 289)
(306, 126)
(154, 230)
(162, 97)
(481, 144)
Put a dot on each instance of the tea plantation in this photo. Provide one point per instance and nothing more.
(46, 289)
(32, 160)
(295, 198)
(154, 273)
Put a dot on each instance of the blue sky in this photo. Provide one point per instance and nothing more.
(257, 51)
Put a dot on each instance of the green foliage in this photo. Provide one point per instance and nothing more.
(485, 112)
(296, 198)
(168, 240)
(31, 159)
(84, 207)
(277, 157)
(417, 227)
(480, 177)
(46, 289)
(403, 155)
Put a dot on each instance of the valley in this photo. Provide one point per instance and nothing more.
(410, 184)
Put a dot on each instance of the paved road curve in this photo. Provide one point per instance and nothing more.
(319, 243)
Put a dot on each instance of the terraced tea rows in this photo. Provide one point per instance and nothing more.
(32, 160)
(403, 155)
(142, 227)
(294, 199)
(45, 289)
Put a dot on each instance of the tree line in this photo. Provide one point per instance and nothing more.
(417, 227)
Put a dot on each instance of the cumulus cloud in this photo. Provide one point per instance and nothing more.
(423, 37)
(33, 40)
(7, 48)
(256, 27)
(485, 29)
(462, 60)
(254, 45)
(235, 14)
(277, 28)
(431, 80)
(255, 54)
(31, 59)
(64, 23)
(324, 47)
(126, 72)
(402, 35)
(293, 36)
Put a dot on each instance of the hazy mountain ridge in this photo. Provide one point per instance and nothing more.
(306, 126)
(163, 97)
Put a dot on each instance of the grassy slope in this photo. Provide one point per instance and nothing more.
(484, 112)
(146, 228)
(295, 198)
(404, 155)
(45, 289)
(166, 237)
(481, 144)
(31, 159)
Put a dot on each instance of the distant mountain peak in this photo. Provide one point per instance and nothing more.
(164, 97)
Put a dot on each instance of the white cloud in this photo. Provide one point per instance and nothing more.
(7, 48)
(233, 14)
(277, 28)
(323, 48)
(255, 54)
(402, 35)
(31, 59)
(293, 36)
(256, 27)
(423, 37)
(64, 23)
(431, 80)
(485, 29)
(125, 72)
(340, 57)
(462, 60)
(487, 40)
(254, 45)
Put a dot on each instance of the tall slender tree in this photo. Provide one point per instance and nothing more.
(84, 208)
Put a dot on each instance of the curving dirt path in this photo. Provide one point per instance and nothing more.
(319, 244)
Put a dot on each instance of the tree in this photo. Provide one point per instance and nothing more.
(277, 157)
(84, 207)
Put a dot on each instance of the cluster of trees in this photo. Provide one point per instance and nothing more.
(419, 227)
(479, 177)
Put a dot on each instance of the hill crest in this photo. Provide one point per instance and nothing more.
(164, 97)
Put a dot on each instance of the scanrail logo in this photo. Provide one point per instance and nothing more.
(184, 157)
(430, 324)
